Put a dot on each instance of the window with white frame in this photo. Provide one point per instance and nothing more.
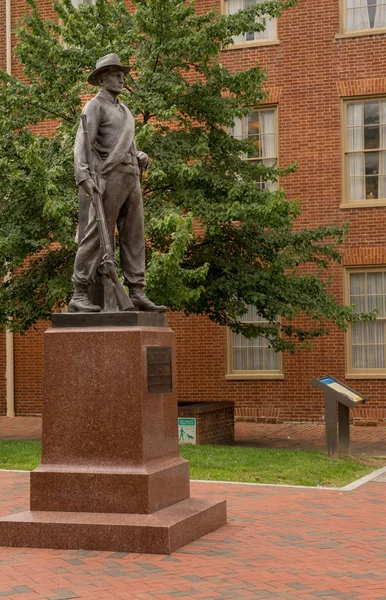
(362, 15)
(260, 127)
(269, 33)
(366, 348)
(77, 3)
(252, 356)
(365, 150)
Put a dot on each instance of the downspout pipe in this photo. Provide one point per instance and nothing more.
(8, 36)
(9, 339)
(10, 373)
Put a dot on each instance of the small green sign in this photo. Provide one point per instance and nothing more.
(187, 431)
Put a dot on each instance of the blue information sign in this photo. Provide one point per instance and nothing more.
(342, 389)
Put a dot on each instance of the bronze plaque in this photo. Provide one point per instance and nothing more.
(159, 370)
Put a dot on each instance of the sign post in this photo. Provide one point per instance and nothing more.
(338, 399)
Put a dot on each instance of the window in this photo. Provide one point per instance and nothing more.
(260, 127)
(365, 152)
(252, 358)
(363, 15)
(230, 7)
(77, 3)
(366, 352)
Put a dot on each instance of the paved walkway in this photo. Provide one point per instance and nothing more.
(20, 428)
(307, 436)
(279, 543)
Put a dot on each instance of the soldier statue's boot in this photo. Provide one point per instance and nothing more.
(80, 302)
(142, 302)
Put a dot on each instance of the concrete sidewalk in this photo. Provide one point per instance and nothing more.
(305, 436)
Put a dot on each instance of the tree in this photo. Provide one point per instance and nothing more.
(216, 242)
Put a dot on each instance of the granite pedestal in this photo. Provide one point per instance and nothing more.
(111, 476)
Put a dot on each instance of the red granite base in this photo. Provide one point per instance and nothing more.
(110, 490)
(162, 532)
(111, 476)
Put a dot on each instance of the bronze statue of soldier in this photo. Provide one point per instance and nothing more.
(117, 165)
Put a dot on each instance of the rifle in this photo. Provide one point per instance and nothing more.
(122, 298)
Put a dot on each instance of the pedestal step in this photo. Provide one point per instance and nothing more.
(162, 532)
(141, 490)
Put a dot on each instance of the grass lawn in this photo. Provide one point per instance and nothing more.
(233, 463)
(20, 455)
(260, 465)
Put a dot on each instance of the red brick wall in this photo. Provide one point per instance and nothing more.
(2, 37)
(2, 335)
(2, 375)
(314, 71)
(212, 427)
(29, 370)
(201, 366)
(308, 73)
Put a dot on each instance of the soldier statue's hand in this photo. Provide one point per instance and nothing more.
(90, 187)
(143, 160)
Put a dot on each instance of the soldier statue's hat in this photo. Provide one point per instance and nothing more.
(110, 62)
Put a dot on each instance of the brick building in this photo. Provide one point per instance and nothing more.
(326, 109)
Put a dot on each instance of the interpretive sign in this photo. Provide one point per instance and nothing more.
(338, 399)
(338, 387)
(187, 431)
(343, 393)
(159, 370)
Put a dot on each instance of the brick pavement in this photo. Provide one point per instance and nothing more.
(307, 436)
(279, 543)
(20, 428)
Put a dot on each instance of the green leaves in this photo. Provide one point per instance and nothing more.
(216, 242)
(166, 277)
